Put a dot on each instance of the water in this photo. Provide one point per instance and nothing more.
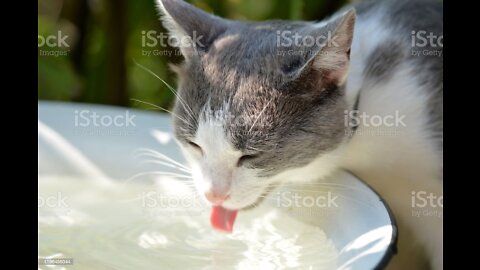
(150, 226)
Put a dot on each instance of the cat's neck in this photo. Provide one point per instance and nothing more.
(363, 47)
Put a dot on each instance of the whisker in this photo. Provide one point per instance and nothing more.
(161, 159)
(325, 184)
(138, 198)
(162, 156)
(166, 164)
(255, 149)
(155, 155)
(185, 106)
(259, 115)
(161, 108)
(175, 175)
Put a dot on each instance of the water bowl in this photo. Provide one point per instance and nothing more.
(115, 193)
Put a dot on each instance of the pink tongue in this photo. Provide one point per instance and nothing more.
(222, 219)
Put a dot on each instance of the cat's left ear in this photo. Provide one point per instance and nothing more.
(331, 59)
(192, 30)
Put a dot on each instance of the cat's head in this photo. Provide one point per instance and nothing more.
(256, 99)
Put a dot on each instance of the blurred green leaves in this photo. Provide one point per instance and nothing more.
(56, 77)
(94, 63)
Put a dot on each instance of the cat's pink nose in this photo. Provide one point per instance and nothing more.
(216, 198)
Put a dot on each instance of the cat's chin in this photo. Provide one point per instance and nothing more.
(246, 203)
(241, 206)
(245, 206)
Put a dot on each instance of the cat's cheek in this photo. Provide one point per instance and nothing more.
(243, 197)
(192, 157)
(246, 189)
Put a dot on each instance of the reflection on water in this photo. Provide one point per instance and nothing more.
(134, 226)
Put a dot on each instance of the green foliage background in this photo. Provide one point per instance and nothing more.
(105, 40)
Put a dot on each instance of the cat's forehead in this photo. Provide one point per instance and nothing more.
(253, 48)
(241, 55)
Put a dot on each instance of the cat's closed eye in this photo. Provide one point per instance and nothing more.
(195, 146)
(245, 158)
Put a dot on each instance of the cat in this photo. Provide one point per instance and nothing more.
(263, 103)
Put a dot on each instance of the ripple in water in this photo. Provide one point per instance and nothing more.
(134, 226)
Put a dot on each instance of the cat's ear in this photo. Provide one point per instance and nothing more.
(329, 55)
(191, 29)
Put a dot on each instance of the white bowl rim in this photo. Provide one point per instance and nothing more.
(388, 253)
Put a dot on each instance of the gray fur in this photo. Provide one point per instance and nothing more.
(384, 60)
(291, 112)
(404, 17)
(424, 15)
(300, 111)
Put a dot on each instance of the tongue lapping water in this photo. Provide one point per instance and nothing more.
(223, 219)
(132, 226)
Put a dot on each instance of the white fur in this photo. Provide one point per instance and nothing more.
(216, 169)
(404, 159)
(219, 157)
(319, 168)
(397, 160)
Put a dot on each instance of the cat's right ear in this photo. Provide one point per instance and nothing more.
(323, 51)
(192, 30)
